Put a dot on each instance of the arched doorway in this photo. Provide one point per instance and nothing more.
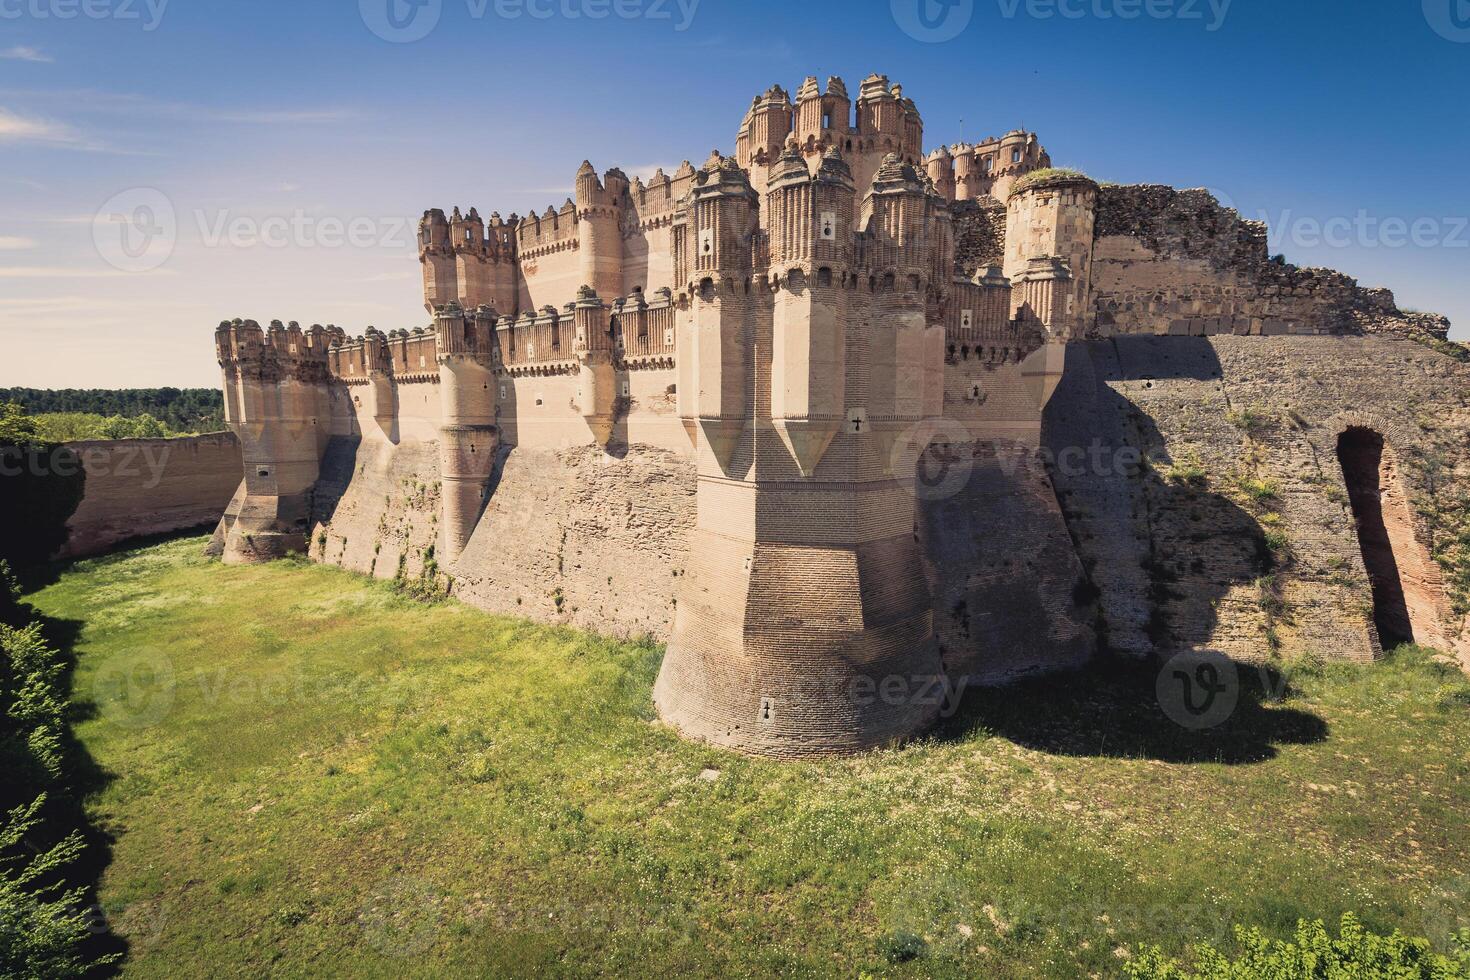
(1386, 536)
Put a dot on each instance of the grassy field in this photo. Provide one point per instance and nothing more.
(309, 774)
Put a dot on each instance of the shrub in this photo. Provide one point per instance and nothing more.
(44, 926)
(1312, 953)
(1247, 420)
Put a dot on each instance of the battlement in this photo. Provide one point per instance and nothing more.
(989, 168)
(277, 352)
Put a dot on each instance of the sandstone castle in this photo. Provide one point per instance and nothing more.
(847, 423)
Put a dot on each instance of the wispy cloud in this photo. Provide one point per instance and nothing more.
(15, 243)
(390, 277)
(22, 53)
(15, 128)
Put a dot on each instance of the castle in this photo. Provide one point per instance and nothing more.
(806, 413)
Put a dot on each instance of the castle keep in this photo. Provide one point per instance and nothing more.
(850, 426)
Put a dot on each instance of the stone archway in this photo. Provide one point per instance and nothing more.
(1405, 586)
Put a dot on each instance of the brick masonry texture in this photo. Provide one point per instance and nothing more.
(138, 487)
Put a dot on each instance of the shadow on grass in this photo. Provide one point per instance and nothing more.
(37, 577)
(65, 810)
(1112, 709)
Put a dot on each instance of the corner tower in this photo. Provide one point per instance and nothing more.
(804, 624)
(1050, 217)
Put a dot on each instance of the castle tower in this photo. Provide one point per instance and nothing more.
(823, 120)
(804, 623)
(596, 382)
(274, 384)
(941, 167)
(713, 379)
(764, 133)
(436, 253)
(599, 229)
(468, 436)
(1048, 252)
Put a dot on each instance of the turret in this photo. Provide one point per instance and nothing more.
(275, 401)
(596, 383)
(1048, 254)
(723, 223)
(599, 229)
(822, 119)
(468, 436)
(941, 167)
(441, 281)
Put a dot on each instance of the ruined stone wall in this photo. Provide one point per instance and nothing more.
(979, 234)
(1202, 485)
(1177, 262)
(137, 487)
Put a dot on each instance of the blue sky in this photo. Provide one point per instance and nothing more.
(294, 146)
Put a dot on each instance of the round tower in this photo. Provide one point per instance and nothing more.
(1050, 217)
(599, 232)
(468, 435)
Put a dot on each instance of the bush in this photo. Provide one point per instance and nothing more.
(44, 924)
(1356, 954)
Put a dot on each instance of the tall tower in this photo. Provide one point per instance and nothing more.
(468, 436)
(599, 230)
(804, 623)
(1048, 253)
(275, 403)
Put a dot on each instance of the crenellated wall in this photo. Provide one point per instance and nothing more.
(827, 414)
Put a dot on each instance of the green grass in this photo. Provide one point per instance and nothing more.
(310, 774)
